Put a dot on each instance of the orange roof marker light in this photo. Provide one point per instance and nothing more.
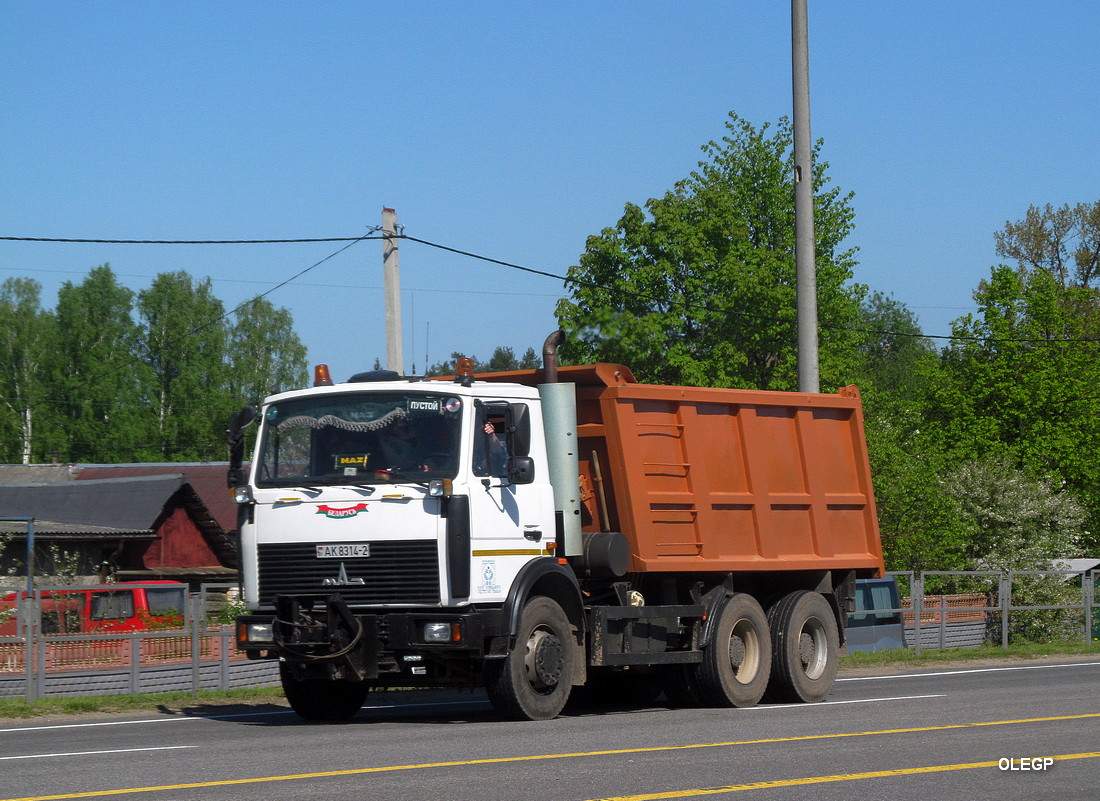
(464, 371)
(321, 377)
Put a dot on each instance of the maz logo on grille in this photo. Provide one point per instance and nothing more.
(341, 579)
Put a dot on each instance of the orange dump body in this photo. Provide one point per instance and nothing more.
(703, 479)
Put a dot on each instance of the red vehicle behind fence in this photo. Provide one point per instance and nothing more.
(126, 606)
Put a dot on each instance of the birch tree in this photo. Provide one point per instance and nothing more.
(182, 345)
(25, 342)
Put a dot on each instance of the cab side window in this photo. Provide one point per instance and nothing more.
(491, 442)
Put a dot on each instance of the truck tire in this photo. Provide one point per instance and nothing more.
(320, 699)
(807, 648)
(534, 680)
(737, 659)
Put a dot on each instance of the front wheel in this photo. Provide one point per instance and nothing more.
(807, 647)
(534, 680)
(322, 699)
(737, 658)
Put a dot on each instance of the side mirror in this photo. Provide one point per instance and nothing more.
(235, 477)
(521, 470)
(520, 424)
(235, 439)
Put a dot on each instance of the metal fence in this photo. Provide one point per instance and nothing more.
(198, 653)
(939, 609)
(944, 609)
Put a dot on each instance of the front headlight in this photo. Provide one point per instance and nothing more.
(441, 632)
(259, 632)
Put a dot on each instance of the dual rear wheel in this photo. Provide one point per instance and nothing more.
(789, 654)
(807, 648)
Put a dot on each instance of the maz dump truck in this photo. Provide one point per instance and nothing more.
(537, 531)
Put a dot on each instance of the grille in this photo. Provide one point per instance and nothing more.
(394, 573)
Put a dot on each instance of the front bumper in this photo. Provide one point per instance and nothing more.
(322, 634)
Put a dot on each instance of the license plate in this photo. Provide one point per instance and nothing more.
(344, 550)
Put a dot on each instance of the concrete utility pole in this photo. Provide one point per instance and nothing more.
(809, 379)
(395, 359)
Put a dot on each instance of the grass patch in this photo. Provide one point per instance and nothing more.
(54, 705)
(933, 656)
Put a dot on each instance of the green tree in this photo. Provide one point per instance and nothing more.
(265, 354)
(921, 525)
(26, 341)
(1021, 379)
(93, 370)
(1064, 242)
(698, 287)
(530, 360)
(502, 359)
(448, 366)
(182, 345)
(896, 358)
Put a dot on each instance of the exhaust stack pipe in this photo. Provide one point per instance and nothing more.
(550, 356)
(559, 408)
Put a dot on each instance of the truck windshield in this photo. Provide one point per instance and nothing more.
(366, 438)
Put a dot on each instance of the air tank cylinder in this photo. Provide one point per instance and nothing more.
(559, 410)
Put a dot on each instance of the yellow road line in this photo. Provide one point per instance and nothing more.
(841, 777)
(539, 757)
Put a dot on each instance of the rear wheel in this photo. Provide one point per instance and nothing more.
(533, 682)
(807, 648)
(737, 659)
(321, 699)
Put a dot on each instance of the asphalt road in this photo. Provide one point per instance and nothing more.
(961, 733)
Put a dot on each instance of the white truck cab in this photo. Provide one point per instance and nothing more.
(350, 486)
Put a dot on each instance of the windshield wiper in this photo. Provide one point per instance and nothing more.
(402, 477)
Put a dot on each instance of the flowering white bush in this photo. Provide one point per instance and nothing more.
(1023, 522)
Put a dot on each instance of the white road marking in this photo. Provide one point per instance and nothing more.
(96, 753)
(968, 670)
(836, 703)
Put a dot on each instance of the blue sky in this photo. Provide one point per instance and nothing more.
(514, 130)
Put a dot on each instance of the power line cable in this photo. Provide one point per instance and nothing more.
(210, 323)
(566, 279)
(767, 318)
(186, 241)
